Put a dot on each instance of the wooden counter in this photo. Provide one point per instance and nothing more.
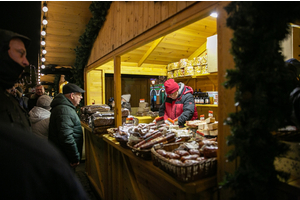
(117, 173)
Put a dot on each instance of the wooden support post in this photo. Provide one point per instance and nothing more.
(117, 91)
(226, 96)
(103, 86)
(85, 86)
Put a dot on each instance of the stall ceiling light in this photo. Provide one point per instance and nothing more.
(214, 14)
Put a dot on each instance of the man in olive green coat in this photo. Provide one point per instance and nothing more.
(65, 130)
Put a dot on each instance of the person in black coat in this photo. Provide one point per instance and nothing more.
(34, 169)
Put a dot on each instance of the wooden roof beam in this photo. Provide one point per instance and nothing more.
(150, 50)
(196, 53)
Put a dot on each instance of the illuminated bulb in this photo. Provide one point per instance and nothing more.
(43, 66)
(39, 80)
(44, 51)
(39, 76)
(45, 8)
(43, 33)
(43, 43)
(45, 22)
(39, 70)
(214, 14)
(42, 74)
(43, 59)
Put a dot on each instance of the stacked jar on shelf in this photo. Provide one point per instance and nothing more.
(185, 67)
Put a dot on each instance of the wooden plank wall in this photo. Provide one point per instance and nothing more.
(139, 88)
(128, 19)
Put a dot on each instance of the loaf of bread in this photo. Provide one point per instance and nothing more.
(96, 108)
(103, 121)
(210, 151)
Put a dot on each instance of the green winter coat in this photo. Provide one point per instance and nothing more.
(65, 130)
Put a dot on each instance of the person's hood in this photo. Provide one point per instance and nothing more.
(126, 97)
(183, 89)
(37, 114)
(60, 99)
(9, 70)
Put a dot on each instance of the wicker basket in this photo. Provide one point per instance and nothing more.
(142, 153)
(185, 173)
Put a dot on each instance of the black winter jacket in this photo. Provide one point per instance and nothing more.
(12, 113)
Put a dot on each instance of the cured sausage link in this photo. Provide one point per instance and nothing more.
(148, 139)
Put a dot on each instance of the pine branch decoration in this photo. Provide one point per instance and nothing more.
(262, 93)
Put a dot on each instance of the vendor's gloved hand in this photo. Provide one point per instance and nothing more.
(176, 121)
(169, 121)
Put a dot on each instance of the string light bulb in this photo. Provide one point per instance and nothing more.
(44, 51)
(45, 22)
(45, 8)
(43, 33)
(43, 59)
(43, 66)
(43, 43)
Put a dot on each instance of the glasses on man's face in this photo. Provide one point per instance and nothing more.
(174, 94)
(78, 94)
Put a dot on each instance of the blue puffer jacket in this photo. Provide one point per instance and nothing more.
(65, 130)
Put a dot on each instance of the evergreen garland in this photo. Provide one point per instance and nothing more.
(99, 11)
(262, 93)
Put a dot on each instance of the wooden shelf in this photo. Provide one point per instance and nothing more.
(206, 105)
(198, 76)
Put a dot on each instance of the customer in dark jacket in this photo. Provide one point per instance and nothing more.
(65, 130)
(12, 63)
(179, 103)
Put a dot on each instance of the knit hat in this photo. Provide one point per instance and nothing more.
(70, 88)
(171, 86)
(44, 101)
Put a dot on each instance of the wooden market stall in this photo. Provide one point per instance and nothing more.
(142, 38)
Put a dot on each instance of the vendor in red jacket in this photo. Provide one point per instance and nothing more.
(179, 104)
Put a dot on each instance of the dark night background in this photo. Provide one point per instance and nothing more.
(23, 17)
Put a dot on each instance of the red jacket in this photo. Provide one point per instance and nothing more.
(183, 107)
